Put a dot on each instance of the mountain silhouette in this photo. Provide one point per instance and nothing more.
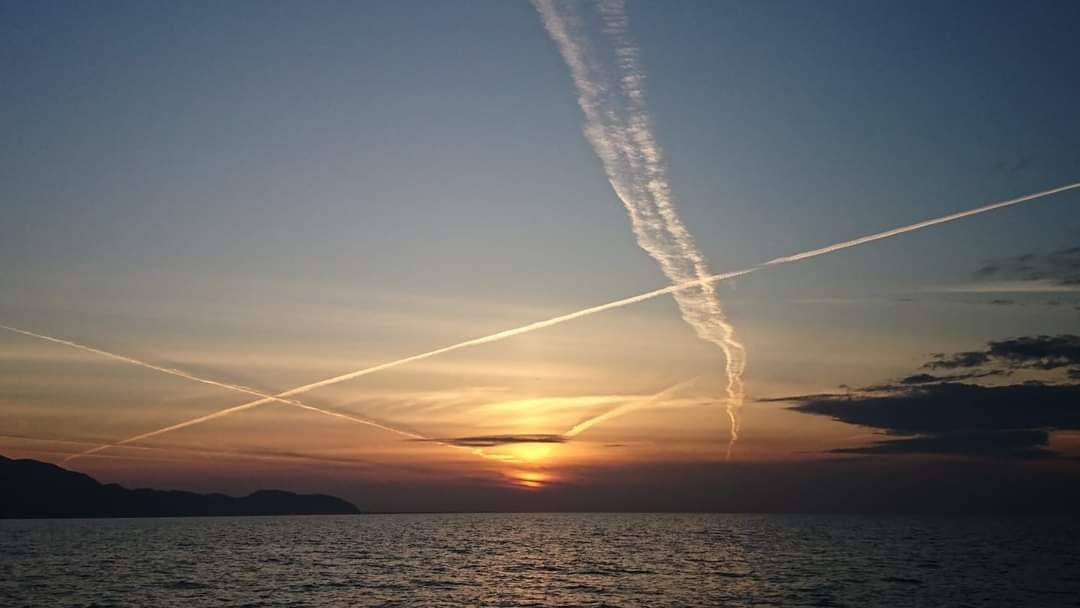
(31, 488)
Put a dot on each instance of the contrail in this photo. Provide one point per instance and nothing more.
(618, 127)
(264, 397)
(919, 225)
(509, 333)
(625, 408)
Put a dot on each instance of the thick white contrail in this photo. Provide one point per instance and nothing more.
(509, 333)
(618, 127)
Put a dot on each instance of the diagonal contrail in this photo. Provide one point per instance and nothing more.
(264, 397)
(618, 127)
(509, 333)
(625, 408)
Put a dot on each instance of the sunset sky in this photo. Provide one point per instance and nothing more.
(269, 194)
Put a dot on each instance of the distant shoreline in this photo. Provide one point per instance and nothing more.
(31, 489)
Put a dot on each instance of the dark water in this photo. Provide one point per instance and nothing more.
(538, 560)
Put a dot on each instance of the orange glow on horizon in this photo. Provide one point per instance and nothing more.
(531, 480)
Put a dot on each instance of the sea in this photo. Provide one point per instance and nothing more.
(542, 560)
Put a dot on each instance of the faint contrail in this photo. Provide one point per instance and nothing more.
(618, 127)
(625, 408)
(509, 333)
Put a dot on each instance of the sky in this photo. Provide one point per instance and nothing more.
(269, 194)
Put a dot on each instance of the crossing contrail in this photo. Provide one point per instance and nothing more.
(618, 127)
(509, 333)
(264, 397)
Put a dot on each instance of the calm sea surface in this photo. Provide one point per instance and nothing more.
(539, 560)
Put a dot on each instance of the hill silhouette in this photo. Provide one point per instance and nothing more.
(31, 488)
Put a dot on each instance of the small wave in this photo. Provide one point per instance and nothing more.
(900, 579)
(185, 585)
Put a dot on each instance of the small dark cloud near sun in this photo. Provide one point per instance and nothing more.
(490, 441)
(1061, 267)
(791, 398)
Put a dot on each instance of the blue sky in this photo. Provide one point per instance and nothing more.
(277, 139)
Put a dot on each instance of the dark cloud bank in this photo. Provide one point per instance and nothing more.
(927, 413)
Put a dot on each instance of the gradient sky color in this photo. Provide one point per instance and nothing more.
(271, 193)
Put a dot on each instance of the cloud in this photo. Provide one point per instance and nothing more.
(800, 398)
(955, 408)
(1010, 286)
(1002, 302)
(930, 378)
(1040, 352)
(1061, 267)
(1029, 352)
(957, 360)
(490, 441)
(1022, 444)
(927, 413)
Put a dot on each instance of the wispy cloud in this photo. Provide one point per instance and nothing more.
(1009, 286)
(1061, 267)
